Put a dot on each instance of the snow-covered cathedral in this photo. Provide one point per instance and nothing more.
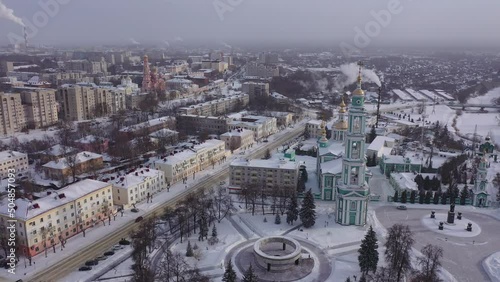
(341, 162)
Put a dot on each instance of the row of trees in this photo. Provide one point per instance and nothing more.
(283, 199)
(399, 243)
(430, 197)
(230, 274)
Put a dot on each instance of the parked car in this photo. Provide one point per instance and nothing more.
(91, 262)
(139, 219)
(109, 253)
(85, 268)
(134, 210)
(117, 247)
(102, 258)
(402, 207)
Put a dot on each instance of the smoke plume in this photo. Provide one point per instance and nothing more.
(135, 42)
(350, 74)
(8, 14)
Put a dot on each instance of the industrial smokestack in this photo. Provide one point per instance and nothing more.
(25, 38)
(8, 14)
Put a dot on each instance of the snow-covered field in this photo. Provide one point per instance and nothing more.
(487, 124)
(486, 98)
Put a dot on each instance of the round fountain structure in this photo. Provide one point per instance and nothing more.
(277, 253)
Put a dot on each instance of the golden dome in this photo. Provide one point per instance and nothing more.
(358, 92)
(341, 125)
(342, 107)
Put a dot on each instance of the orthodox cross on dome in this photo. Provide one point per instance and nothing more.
(360, 65)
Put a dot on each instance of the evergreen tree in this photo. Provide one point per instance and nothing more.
(427, 183)
(403, 197)
(189, 250)
(348, 279)
(464, 194)
(368, 253)
(373, 134)
(421, 197)
(395, 198)
(444, 198)
(304, 175)
(436, 197)
(413, 195)
(428, 197)
(267, 154)
(308, 210)
(229, 273)
(277, 219)
(249, 276)
(214, 231)
(292, 212)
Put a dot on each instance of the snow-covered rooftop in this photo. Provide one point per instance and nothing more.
(7, 155)
(28, 209)
(379, 142)
(134, 178)
(271, 163)
(81, 157)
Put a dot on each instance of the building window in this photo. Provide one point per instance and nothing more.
(353, 206)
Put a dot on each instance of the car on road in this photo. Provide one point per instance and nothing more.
(139, 219)
(101, 258)
(117, 247)
(109, 253)
(134, 210)
(91, 262)
(402, 207)
(85, 268)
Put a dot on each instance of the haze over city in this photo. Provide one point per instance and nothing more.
(424, 22)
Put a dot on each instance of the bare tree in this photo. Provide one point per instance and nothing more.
(250, 193)
(398, 250)
(429, 263)
(223, 204)
(47, 233)
(142, 266)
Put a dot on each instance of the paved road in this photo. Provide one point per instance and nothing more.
(379, 184)
(462, 258)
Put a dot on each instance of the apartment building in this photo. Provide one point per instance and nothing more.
(238, 138)
(269, 173)
(12, 118)
(255, 89)
(91, 67)
(217, 107)
(262, 127)
(12, 160)
(87, 101)
(193, 124)
(137, 186)
(68, 77)
(147, 127)
(313, 127)
(82, 162)
(59, 215)
(259, 70)
(190, 161)
(40, 106)
(282, 118)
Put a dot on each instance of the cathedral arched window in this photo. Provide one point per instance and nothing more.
(355, 150)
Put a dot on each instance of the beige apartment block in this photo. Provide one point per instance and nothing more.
(12, 118)
(12, 160)
(61, 214)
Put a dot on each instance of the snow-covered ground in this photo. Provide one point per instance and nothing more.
(487, 98)
(457, 229)
(38, 134)
(492, 266)
(206, 255)
(487, 124)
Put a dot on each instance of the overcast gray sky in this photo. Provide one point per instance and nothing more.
(274, 21)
